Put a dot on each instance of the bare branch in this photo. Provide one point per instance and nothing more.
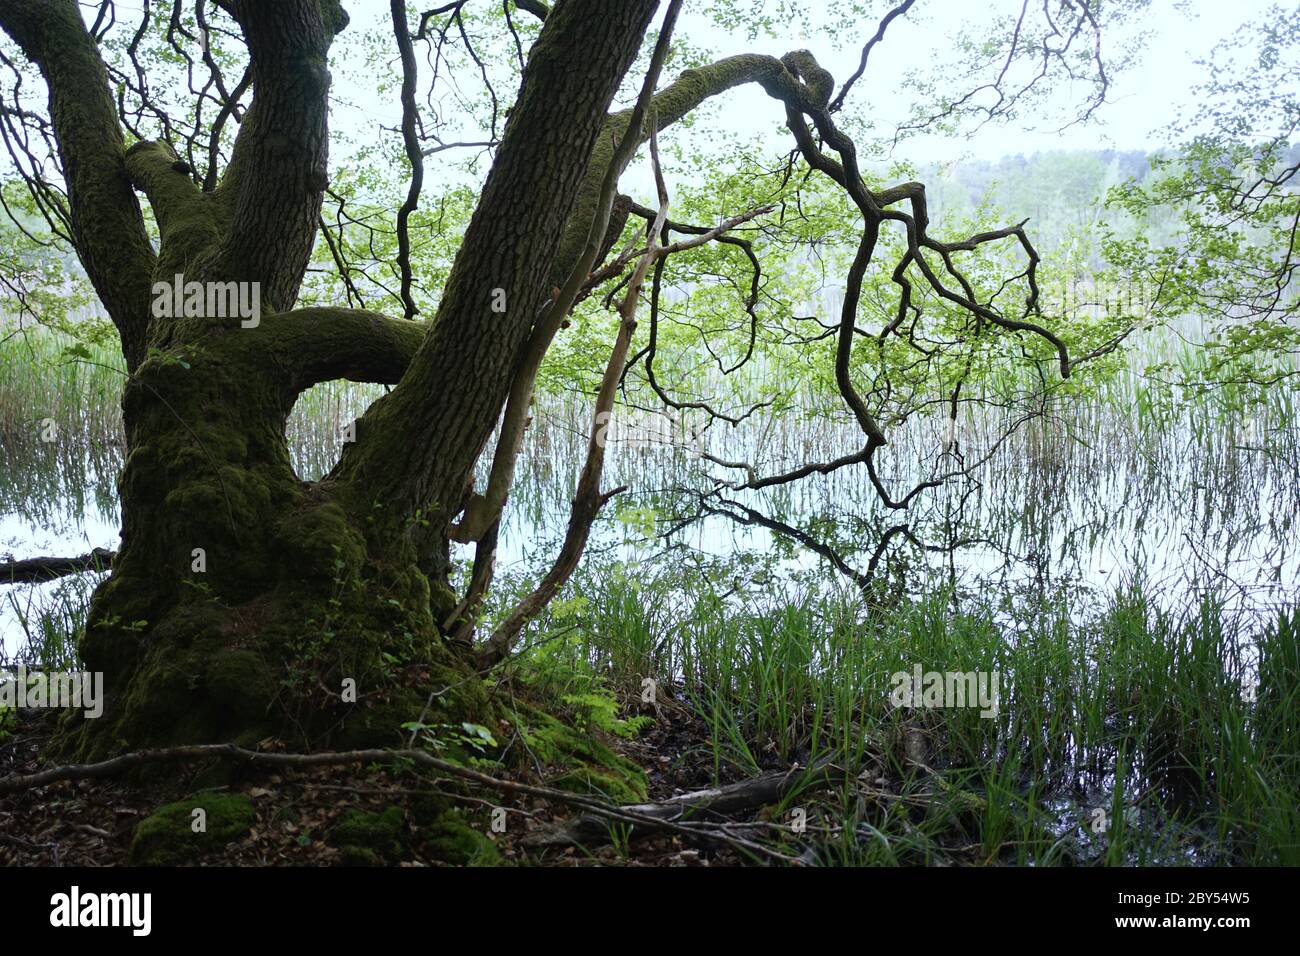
(414, 155)
(889, 18)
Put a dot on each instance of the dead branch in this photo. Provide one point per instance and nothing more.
(764, 790)
(588, 499)
(30, 570)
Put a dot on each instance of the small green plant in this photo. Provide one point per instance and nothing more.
(440, 737)
(620, 838)
(555, 671)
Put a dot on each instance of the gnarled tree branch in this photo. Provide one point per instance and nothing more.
(107, 226)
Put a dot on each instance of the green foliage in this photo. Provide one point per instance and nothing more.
(465, 736)
(553, 672)
(1128, 693)
(1232, 183)
(41, 283)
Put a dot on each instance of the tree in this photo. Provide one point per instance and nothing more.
(1231, 185)
(242, 597)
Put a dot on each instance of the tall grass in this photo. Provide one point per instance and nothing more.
(60, 426)
(1180, 727)
(50, 624)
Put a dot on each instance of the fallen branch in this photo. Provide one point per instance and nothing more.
(48, 569)
(743, 797)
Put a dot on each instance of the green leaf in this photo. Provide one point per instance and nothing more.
(481, 732)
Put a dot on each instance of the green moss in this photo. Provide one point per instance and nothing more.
(819, 82)
(319, 543)
(334, 16)
(359, 856)
(618, 787)
(380, 724)
(190, 224)
(589, 765)
(428, 807)
(167, 837)
(451, 840)
(243, 681)
(293, 599)
(189, 686)
(383, 834)
(442, 601)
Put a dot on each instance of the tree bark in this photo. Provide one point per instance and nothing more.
(277, 175)
(241, 597)
(417, 446)
(238, 586)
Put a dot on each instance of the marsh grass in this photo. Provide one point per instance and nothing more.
(50, 623)
(60, 427)
(1180, 727)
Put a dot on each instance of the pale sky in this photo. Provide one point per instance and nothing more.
(1142, 99)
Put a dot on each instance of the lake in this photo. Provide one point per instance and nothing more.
(1189, 496)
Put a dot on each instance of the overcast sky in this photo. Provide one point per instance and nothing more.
(1143, 99)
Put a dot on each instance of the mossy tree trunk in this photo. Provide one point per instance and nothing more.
(243, 598)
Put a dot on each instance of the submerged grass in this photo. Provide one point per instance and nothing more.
(60, 426)
(50, 623)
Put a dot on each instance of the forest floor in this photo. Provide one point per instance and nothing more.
(91, 822)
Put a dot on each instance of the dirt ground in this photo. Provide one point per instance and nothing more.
(90, 822)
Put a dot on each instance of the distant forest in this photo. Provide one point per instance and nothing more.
(1061, 191)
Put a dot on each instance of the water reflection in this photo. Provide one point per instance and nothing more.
(1192, 496)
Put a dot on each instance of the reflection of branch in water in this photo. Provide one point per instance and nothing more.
(713, 505)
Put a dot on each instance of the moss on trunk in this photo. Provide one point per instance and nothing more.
(243, 601)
